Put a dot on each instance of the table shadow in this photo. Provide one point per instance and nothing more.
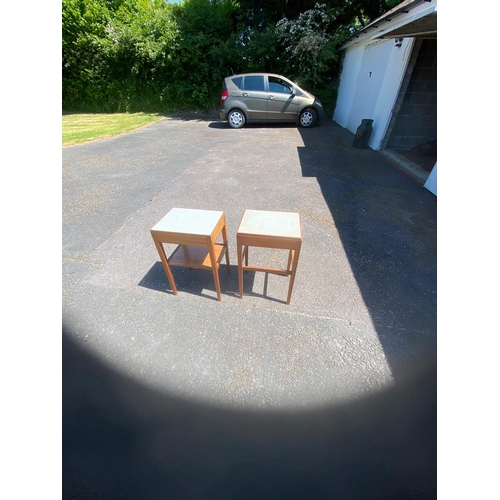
(196, 281)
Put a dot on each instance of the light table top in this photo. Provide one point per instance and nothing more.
(189, 221)
(269, 223)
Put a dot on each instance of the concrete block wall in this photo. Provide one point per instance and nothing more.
(416, 122)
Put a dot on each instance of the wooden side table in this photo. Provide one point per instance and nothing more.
(260, 228)
(195, 232)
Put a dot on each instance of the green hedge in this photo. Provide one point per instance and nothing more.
(156, 56)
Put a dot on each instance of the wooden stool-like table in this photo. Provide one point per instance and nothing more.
(260, 228)
(195, 232)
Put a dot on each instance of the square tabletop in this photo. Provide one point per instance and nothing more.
(189, 221)
(269, 223)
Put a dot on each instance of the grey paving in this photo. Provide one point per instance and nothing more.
(363, 307)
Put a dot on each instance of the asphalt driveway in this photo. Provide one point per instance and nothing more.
(363, 307)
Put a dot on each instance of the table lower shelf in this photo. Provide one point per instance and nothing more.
(195, 257)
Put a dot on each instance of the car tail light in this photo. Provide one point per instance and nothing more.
(224, 96)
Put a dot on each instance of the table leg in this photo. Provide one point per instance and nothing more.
(245, 253)
(215, 268)
(239, 251)
(224, 239)
(290, 256)
(166, 267)
(294, 270)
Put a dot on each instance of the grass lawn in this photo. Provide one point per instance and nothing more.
(78, 128)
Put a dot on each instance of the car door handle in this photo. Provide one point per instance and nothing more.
(245, 94)
(271, 97)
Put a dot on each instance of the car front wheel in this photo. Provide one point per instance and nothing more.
(307, 117)
(236, 118)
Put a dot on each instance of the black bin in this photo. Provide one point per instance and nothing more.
(363, 134)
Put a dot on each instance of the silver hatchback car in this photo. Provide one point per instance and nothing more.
(266, 97)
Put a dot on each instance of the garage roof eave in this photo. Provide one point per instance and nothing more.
(399, 23)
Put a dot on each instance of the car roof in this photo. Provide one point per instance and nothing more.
(257, 74)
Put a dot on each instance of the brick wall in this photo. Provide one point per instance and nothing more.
(416, 122)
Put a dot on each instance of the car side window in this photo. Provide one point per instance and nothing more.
(280, 86)
(254, 83)
(238, 82)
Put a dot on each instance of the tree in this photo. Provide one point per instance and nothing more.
(201, 57)
(310, 43)
(115, 53)
(125, 55)
(83, 26)
(348, 10)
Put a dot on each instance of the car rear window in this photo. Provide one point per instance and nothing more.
(254, 83)
(237, 81)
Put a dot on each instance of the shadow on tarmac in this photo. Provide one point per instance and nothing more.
(388, 228)
(123, 440)
(195, 281)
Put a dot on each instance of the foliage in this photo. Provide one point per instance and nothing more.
(309, 43)
(200, 60)
(275, 10)
(115, 53)
(159, 56)
(252, 47)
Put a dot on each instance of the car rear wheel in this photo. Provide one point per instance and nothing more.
(236, 118)
(308, 117)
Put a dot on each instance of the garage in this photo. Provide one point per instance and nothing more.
(389, 75)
